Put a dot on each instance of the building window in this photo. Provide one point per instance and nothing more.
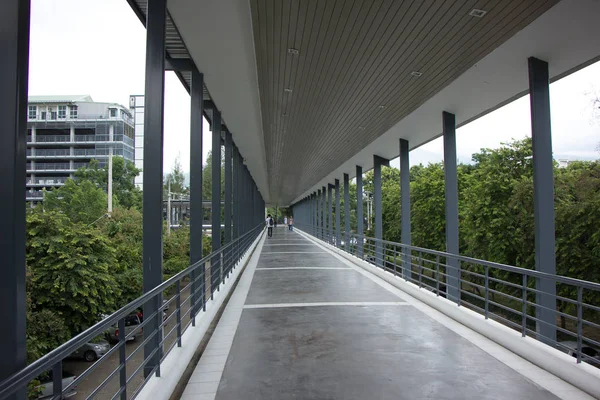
(113, 112)
(43, 115)
(73, 112)
(32, 112)
(52, 114)
(62, 112)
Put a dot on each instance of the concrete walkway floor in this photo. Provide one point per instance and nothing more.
(302, 324)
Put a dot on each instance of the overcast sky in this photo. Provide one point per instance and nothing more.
(98, 48)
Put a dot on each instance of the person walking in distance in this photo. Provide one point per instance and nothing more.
(291, 223)
(285, 220)
(269, 223)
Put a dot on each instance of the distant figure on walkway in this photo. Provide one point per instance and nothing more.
(291, 223)
(285, 221)
(269, 223)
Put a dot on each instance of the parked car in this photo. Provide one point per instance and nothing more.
(570, 347)
(131, 322)
(91, 351)
(47, 387)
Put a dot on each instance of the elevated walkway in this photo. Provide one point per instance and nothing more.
(304, 323)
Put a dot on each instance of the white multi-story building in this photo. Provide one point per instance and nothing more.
(136, 103)
(65, 133)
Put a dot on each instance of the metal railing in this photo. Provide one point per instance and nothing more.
(504, 293)
(188, 291)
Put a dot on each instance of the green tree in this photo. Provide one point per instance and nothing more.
(124, 230)
(176, 178)
(73, 267)
(81, 201)
(124, 172)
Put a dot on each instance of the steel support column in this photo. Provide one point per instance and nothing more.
(14, 70)
(543, 197)
(347, 211)
(323, 212)
(330, 212)
(337, 213)
(359, 211)
(216, 198)
(196, 209)
(236, 192)
(405, 207)
(318, 223)
(153, 174)
(228, 186)
(378, 162)
(451, 195)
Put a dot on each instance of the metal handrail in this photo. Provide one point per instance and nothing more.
(237, 246)
(409, 263)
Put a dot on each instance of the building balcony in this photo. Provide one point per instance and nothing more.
(45, 182)
(88, 139)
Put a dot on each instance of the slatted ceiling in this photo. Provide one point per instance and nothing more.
(355, 56)
(175, 46)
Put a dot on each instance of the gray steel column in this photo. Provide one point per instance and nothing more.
(378, 162)
(14, 70)
(153, 172)
(196, 209)
(323, 212)
(543, 197)
(405, 199)
(359, 211)
(451, 183)
(228, 186)
(347, 211)
(216, 197)
(330, 212)
(236, 193)
(314, 214)
(318, 221)
(337, 213)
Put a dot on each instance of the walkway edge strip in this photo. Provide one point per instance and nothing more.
(581, 376)
(176, 362)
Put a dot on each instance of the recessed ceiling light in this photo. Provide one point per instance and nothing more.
(416, 73)
(382, 107)
(287, 90)
(293, 51)
(477, 13)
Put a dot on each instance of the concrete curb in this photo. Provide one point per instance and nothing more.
(583, 376)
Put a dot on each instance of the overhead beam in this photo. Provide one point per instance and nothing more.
(179, 64)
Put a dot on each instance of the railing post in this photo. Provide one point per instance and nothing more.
(178, 310)
(122, 359)
(420, 269)
(487, 286)
(524, 308)
(437, 275)
(579, 321)
(57, 386)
